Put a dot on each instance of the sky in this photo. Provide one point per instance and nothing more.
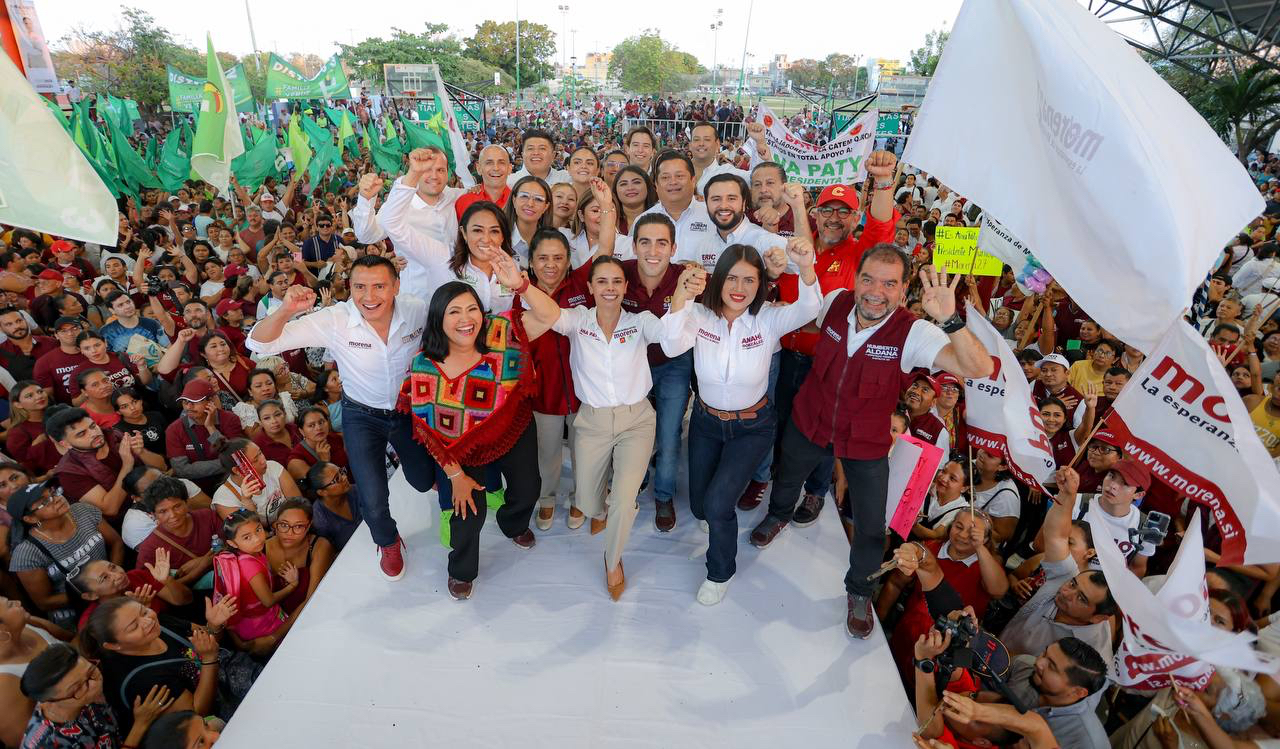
(883, 30)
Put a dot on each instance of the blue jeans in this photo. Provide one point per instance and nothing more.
(721, 456)
(765, 468)
(670, 396)
(792, 370)
(367, 431)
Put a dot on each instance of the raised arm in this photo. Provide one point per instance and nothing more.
(542, 309)
(1057, 521)
(394, 216)
(279, 332)
(964, 355)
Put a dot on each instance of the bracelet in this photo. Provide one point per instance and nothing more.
(883, 186)
(952, 324)
(454, 476)
(208, 663)
(523, 287)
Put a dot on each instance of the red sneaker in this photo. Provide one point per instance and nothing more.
(753, 495)
(391, 560)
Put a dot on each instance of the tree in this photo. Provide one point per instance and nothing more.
(647, 64)
(129, 61)
(434, 45)
(495, 44)
(924, 61)
(1243, 108)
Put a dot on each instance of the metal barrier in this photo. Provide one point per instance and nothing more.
(668, 128)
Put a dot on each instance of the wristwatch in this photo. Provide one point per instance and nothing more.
(924, 666)
(952, 324)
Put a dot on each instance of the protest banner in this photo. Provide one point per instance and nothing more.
(50, 185)
(187, 91)
(955, 250)
(1167, 635)
(912, 465)
(1101, 189)
(284, 81)
(1181, 417)
(839, 162)
(1000, 416)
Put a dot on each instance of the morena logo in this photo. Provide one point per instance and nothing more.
(768, 120)
(856, 130)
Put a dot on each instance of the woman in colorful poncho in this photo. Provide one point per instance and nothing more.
(469, 391)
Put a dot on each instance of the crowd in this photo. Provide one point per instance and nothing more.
(199, 418)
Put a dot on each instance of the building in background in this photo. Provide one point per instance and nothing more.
(878, 66)
(595, 68)
(898, 91)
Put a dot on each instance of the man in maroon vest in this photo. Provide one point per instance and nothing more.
(867, 342)
(925, 424)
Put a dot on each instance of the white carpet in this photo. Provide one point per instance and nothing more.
(541, 657)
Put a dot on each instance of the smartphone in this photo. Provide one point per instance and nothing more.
(246, 468)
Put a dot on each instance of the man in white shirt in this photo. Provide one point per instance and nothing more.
(675, 199)
(431, 212)
(704, 147)
(726, 203)
(640, 146)
(373, 337)
(538, 153)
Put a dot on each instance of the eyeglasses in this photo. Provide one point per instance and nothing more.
(282, 526)
(339, 476)
(1098, 447)
(54, 493)
(325, 225)
(530, 196)
(827, 210)
(81, 686)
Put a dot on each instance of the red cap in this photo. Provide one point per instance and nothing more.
(946, 378)
(49, 274)
(196, 391)
(1108, 437)
(62, 245)
(1133, 473)
(937, 389)
(225, 306)
(839, 194)
(71, 270)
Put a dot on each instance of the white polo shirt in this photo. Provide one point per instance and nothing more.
(439, 221)
(581, 251)
(614, 370)
(708, 248)
(732, 362)
(555, 177)
(924, 340)
(694, 224)
(372, 371)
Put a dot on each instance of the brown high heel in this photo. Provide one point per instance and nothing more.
(615, 591)
(598, 525)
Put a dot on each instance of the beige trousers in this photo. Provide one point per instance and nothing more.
(551, 454)
(617, 440)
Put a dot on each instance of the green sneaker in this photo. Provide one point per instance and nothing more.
(495, 499)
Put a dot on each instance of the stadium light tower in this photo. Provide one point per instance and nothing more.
(564, 24)
(715, 44)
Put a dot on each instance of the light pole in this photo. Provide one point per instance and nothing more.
(715, 44)
(517, 51)
(573, 78)
(564, 24)
(742, 74)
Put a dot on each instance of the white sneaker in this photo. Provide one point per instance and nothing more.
(703, 525)
(712, 593)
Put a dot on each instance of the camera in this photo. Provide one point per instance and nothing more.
(1152, 530)
(155, 284)
(976, 650)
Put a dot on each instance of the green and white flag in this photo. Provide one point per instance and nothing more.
(49, 185)
(218, 140)
(298, 144)
(284, 81)
(186, 91)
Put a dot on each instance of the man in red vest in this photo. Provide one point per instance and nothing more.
(867, 342)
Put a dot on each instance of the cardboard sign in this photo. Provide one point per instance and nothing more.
(912, 465)
(956, 250)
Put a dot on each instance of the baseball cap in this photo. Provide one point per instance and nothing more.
(937, 389)
(1058, 359)
(64, 320)
(49, 274)
(196, 391)
(265, 197)
(19, 506)
(839, 194)
(225, 306)
(946, 378)
(62, 245)
(1108, 437)
(1133, 473)
(71, 270)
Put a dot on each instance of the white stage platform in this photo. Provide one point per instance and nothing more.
(541, 657)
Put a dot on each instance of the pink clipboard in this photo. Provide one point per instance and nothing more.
(912, 465)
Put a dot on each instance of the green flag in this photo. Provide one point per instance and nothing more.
(386, 156)
(256, 164)
(298, 144)
(57, 112)
(347, 134)
(187, 91)
(152, 155)
(327, 154)
(49, 186)
(86, 135)
(316, 132)
(217, 139)
(133, 169)
(284, 81)
(175, 159)
(389, 129)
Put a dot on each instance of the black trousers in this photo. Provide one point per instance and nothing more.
(868, 491)
(519, 467)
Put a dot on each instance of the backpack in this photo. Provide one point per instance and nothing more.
(226, 575)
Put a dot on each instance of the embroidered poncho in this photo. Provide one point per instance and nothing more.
(476, 417)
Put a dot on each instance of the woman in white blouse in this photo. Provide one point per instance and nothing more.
(584, 234)
(615, 426)
(733, 334)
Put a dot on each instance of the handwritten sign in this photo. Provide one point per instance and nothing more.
(955, 248)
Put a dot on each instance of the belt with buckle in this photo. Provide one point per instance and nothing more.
(745, 414)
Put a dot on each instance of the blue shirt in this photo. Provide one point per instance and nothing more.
(118, 335)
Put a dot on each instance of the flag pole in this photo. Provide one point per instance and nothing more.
(971, 489)
(1084, 446)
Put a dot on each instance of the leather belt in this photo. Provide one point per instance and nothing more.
(745, 414)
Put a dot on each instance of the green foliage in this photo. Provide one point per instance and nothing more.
(647, 64)
(433, 45)
(837, 70)
(1243, 109)
(495, 44)
(127, 61)
(924, 61)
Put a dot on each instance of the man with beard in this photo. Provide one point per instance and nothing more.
(94, 463)
(431, 212)
(674, 184)
(704, 149)
(868, 342)
(19, 352)
(770, 209)
(537, 152)
(727, 199)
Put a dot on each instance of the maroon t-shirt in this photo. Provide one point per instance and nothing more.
(54, 370)
(786, 223)
(273, 450)
(120, 372)
(637, 299)
(204, 526)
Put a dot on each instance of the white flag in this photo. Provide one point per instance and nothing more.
(999, 414)
(1085, 154)
(839, 162)
(48, 185)
(461, 157)
(1181, 417)
(1167, 635)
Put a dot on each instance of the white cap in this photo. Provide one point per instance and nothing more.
(1058, 359)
